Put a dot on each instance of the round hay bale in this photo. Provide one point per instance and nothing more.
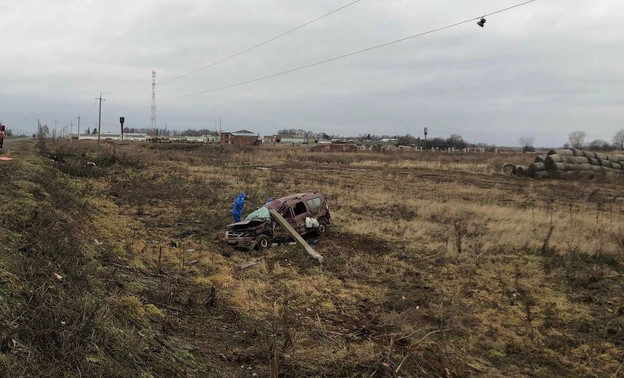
(589, 154)
(561, 152)
(553, 158)
(569, 159)
(584, 167)
(594, 161)
(620, 158)
(558, 167)
(540, 158)
(577, 152)
(612, 158)
(539, 166)
(572, 167)
(600, 155)
(581, 160)
(605, 163)
(542, 174)
(521, 170)
(597, 168)
(509, 168)
(553, 162)
(616, 166)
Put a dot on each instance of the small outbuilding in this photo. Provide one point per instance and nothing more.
(239, 138)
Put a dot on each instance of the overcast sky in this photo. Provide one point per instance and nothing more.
(542, 70)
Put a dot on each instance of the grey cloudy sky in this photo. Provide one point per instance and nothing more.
(542, 70)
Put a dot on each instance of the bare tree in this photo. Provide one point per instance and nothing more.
(456, 141)
(618, 140)
(577, 138)
(527, 143)
(599, 145)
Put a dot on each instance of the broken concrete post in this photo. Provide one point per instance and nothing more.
(284, 223)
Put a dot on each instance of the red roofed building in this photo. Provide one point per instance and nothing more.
(239, 138)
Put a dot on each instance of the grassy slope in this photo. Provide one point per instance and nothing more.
(435, 265)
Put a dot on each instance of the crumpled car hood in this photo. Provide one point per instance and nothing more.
(246, 224)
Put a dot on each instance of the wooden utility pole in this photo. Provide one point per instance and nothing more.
(99, 116)
(78, 127)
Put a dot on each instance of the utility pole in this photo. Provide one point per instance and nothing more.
(71, 131)
(153, 107)
(78, 127)
(99, 116)
(121, 121)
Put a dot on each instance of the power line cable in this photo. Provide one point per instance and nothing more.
(342, 56)
(247, 49)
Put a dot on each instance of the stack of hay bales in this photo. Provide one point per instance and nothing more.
(571, 162)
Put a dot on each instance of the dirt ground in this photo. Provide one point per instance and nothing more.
(435, 265)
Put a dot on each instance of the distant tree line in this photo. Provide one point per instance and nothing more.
(455, 141)
(576, 139)
(305, 134)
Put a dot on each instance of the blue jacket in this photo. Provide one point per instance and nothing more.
(239, 204)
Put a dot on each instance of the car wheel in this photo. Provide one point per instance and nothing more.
(263, 242)
(322, 228)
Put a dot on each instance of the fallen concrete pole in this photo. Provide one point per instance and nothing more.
(284, 223)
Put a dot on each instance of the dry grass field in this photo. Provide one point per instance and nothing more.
(435, 265)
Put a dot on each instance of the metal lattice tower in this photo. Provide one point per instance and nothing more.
(153, 107)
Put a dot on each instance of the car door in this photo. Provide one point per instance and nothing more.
(314, 204)
(288, 214)
(300, 212)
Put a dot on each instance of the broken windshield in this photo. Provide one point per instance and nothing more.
(262, 213)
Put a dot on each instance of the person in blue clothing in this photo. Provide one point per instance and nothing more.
(270, 199)
(239, 205)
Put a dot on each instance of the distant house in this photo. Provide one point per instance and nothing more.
(269, 139)
(239, 138)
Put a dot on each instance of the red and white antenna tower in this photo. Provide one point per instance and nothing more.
(153, 107)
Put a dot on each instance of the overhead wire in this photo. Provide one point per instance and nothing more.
(245, 50)
(341, 56)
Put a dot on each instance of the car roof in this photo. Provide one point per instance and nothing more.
(277, 203)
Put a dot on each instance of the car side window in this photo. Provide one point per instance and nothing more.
(287, 212)
(314, 203)
(300, 208)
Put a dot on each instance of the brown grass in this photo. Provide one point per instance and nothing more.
(436, 264)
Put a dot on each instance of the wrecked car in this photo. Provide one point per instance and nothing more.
(305, 212)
